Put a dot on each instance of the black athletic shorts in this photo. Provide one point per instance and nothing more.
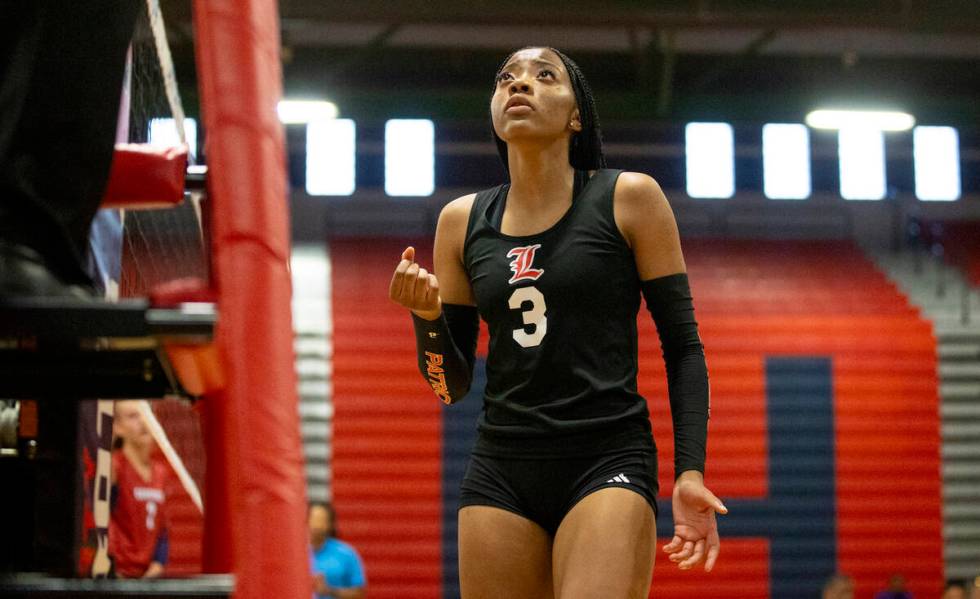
(544, 490)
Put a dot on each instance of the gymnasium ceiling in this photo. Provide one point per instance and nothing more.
(672, 59)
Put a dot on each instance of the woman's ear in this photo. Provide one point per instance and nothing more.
(575, 123)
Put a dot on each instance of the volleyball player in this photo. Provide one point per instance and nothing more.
(138, 540)
(559, 498)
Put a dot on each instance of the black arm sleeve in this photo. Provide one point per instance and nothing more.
(447, 350)
(669, 301)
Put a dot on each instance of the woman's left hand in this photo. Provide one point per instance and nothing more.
(695, 528)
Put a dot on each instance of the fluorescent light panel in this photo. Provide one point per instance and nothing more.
(330, 146)
(163, 132)
(297, 112)
(862, 163)
(871, 119)
(786, 161)
(710, 160)
(937, 163)
(409, 157)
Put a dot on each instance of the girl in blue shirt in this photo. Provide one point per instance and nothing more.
(338, 572)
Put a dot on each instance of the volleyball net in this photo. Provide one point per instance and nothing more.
(161, 246)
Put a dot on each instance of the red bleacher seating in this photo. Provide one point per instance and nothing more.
(753, 299)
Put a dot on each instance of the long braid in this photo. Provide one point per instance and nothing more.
(585, 147)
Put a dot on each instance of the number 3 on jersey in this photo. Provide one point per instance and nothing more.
(532, 316)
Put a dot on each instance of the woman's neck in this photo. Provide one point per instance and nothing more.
(137, 454)
(538, 174)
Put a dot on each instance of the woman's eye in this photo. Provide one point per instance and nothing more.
(504, 77)
(546, 72)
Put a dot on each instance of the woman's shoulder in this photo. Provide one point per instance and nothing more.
(454, 219)
(118, 459)
(637, 185)
(640, 205)
(459, 208)
(639, 192)
(338, 546)
(462, 205)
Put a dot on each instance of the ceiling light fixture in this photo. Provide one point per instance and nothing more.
(882, 120)
(296, 112)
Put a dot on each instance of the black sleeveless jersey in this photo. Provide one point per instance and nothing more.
(561, 306)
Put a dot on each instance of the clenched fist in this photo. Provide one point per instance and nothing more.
(415, 288)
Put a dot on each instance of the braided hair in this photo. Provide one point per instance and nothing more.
(585, 147)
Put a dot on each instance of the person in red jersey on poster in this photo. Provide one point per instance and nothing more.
(138, 542)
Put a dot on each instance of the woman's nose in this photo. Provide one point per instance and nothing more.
(519, 86)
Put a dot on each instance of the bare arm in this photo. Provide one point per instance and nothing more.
(321, 588)
(454, 284)
(348, 593)
(647, 223)
(155, 570)
(446, 323)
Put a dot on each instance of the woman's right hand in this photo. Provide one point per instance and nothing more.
(320, 586)
(415, 288)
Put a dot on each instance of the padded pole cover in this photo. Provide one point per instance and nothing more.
(145, 176)
(260, 454)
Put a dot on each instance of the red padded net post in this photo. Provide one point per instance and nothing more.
(145, 176)
(257, 503)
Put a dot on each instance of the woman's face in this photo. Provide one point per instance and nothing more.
(534, 98)
(954, 592)
(320, 525)
(129, 424)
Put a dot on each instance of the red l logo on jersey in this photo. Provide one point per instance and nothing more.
(523, 260)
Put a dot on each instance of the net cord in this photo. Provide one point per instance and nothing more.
(168, 451)
(166, 66)
(169, 75)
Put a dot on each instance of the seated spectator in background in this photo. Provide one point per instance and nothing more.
(895, 590)
(954, 590)
(838, 586)
(138, 542)
(337, 569)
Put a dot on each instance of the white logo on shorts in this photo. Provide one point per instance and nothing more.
(619, 478)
